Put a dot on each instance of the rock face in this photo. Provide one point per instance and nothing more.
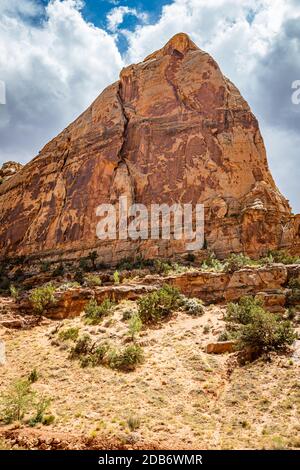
(8, 170)
(172, 129)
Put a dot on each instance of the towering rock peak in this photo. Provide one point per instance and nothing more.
(173, 129)
(181, 43)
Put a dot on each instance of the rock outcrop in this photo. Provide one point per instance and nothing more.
(172, 129)
(8, 170)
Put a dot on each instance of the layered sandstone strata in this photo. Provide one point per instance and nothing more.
(172, 129)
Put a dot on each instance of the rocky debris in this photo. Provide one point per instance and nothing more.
(32, 439)
(8, 170)
(173, 128)
(220, 347)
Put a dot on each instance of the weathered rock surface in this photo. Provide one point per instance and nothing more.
(172, 129)
(220, 347)
(8, 170)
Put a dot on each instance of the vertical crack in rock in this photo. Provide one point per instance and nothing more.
(123, 182)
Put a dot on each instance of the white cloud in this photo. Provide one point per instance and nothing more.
(116, 16)
(52, 72)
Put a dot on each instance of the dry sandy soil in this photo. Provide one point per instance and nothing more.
(180, 397)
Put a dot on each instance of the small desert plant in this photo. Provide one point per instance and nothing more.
(243, 311)
(212, 263)
(81, 347)
(92, 280)
(16, 401)
(134, 326)
(116, 277)
(127, 358)
(14, 293)
(236, 261)
(33, 376)
(282, 256)
(41, 406)
(159, 304)
(133, 423)
(79, 277)
(92, 256)
(95, 312)
(192, 306)
(45, 266)
(68, 334)
(42, 297)
(59, 270)
(254, 327)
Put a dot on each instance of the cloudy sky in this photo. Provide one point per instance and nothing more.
(56, 56)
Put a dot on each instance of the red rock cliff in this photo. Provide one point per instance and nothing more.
(172, 129)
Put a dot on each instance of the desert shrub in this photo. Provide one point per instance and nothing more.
(127, 314)
(68, 334)
(126, 358)
(92, 256)
(92, 280)
(16, 402)
(190, 257)
(294, 283)
(243, 311)
(33, 376)
(79, 277)
(85, 265)
(133, 423)
(48, 419)
(236, 261)
(224, 336)
(282, 256)
(59, 270)
(162, 267)
(254, 327)
(42, 297)
(95, 312)
(116, 277)
(45, 266)
(14, 292)
(134, 326)
(212, 263)
(41, 406)
(265, 333)
(81, 347)
(192, 306)
(159, 304)
(95, 356)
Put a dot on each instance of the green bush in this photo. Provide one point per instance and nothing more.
(134, 326)
(42, 297)
(127, 358)
(68, 334)
(116, 277)
(81, 347)
(212, 263)
(20, 400)
(159, 304)
(265, 333)
(235, 262)
(92, 280)
(243, 311)
(14, 293)
(94, 313)
(282, 256)
(192, 306)
(59, 270)
(33, 376)
(79, 277)
(256, 328)
(16, 402)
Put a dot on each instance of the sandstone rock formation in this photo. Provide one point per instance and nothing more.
(172, 129)
(8, 170)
